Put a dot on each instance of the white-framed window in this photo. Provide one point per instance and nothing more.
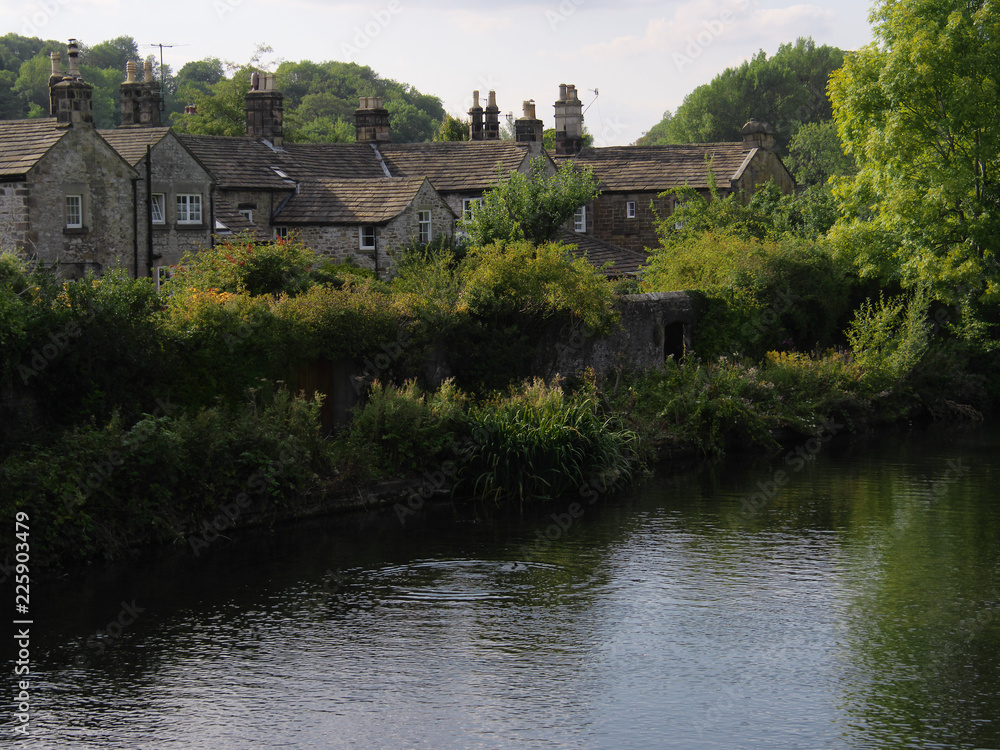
(580, 219)
(424, 225)
(630, 210)
(674, 205)
(366, 237)
(163, 274)
(280, 233)
(247, 213)
(467, 204)
(156, 206)
(189, 208)
(74, 211)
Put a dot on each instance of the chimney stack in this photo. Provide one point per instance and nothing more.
(265, 109)
(141, 100)
(528, 128)
(71, 98)
(371, 121)
(476, 119)
(569, 121)
(54, 78)
(758, 135)
(491, 128)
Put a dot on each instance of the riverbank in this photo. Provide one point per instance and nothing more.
(187, 480)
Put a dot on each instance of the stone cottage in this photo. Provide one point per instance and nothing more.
(66, 195)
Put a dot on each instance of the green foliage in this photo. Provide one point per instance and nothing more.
(758, 295)
(532, 206)
(81, 492)
(815, 154)
(539, 443)
(918, 111)
(243, 265)
(401, 430)
(452, 129)
(889, 340)
(786, 90)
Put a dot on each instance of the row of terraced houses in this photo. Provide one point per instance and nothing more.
(141, 195)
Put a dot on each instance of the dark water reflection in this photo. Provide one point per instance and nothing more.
(856, 608)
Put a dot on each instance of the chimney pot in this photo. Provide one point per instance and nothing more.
(72, 56)
(147, 71)
(491, 126)
(130, 71)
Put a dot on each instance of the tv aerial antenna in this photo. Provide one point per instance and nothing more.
(161, 46)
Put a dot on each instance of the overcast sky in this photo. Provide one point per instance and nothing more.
(642, 56)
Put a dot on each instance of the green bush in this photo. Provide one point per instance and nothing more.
(102, 492)
(539, 443)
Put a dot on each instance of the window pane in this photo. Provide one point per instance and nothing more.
(74, 211)
(157, 208)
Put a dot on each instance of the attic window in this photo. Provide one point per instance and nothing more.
(281, 174)
(424, 225)
(74, 211)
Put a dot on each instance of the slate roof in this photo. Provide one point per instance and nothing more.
(659, 168)
(625, 262)
(454, 166)
(350, 201)
(229, 219)
(131, 142)
(333, 161)
(24, 142)
(240, 162)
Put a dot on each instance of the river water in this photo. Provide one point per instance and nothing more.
(843, 594)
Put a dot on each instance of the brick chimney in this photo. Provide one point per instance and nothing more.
(265, 109)
(71, 98)
(371, 121)
(528, 128)
(758, 135)
(569, 121)
(140, 99)
(475, 119)
(491, 129)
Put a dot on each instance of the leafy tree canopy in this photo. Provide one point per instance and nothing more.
(919, 111)
(786, 90)
(531, 206)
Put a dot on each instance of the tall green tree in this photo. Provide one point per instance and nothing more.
(785, 90)
(919, 110)
(531, 206)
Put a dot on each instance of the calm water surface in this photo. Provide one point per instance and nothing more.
(857, 606)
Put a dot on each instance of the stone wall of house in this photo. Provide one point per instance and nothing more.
(341, 243)
(14, 216)
(263, 204)
(609, 220)
(174, 171)
(82, 163)
(765, 165)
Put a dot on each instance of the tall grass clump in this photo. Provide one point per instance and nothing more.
(539, 442)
